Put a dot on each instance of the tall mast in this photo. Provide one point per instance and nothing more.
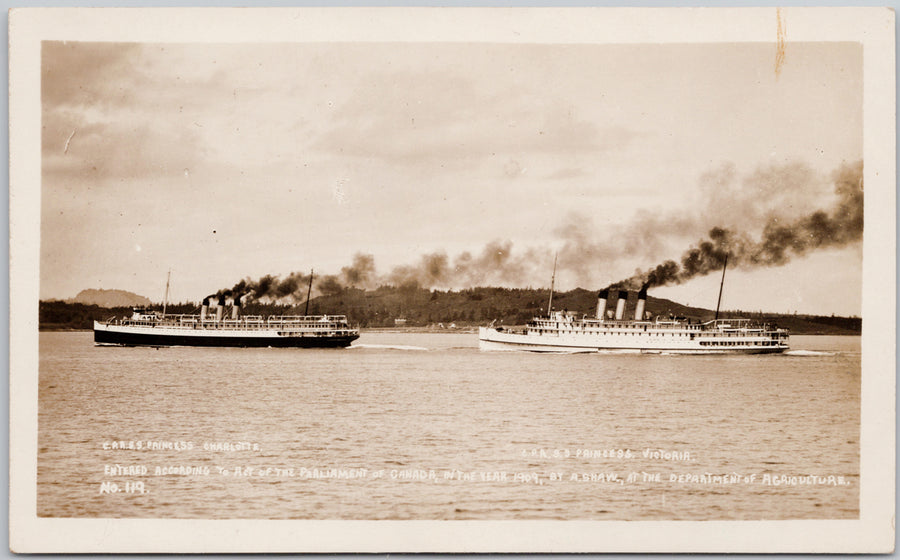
(552, 283)
(308, 291)
(721, 285)
(166, 298)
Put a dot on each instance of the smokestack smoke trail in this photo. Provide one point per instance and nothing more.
(495, 264)
(776, 243)
(780, 241)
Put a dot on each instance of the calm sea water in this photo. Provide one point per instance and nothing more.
(425, 426)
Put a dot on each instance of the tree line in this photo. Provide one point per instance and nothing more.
(420, 307)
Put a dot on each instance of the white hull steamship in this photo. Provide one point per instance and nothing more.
(211, 328)
(562, 332)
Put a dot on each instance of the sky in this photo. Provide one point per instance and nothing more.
(452, 165)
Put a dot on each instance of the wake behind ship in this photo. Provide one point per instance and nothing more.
(563, 332)
(211, 328)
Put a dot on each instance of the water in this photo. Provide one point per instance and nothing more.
(425, 426)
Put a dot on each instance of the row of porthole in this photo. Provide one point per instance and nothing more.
(730, 343)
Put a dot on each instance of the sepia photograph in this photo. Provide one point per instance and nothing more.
(452, 280)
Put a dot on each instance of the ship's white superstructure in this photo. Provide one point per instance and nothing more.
(563, 332)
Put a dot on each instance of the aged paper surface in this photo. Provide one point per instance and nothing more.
(49, 44)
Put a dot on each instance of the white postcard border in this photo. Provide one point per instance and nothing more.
(873, 27)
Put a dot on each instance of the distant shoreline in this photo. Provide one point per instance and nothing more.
(397, 310)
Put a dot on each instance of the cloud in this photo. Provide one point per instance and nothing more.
(81, 74)
(409, 117)
(83, 151)
(103, 120)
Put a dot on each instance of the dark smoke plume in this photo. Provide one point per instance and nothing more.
(361, 273)
(329, 286)
(496, 264)
(269, 287)
(766, 228)
(779, 242)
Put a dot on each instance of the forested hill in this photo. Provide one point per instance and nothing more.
(109, 298)
(418, 307)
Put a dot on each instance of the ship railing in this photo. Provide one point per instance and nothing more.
(184, 317)
(735, 323)
(743, 325)
(258, 319)
(134, 322)
(720, 327)
(593, 322)
(307, 318)
(267, 326)
(310, 323)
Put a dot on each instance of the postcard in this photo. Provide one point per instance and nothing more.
(452, 280)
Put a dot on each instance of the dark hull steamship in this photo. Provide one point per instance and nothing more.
(211, 328)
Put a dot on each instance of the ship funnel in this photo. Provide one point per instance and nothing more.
(204, 309)
(220, 309)
(236, 308)
(601, 303)
(620, 305)
(639, 308)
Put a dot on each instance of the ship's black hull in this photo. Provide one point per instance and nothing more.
(152, 339)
